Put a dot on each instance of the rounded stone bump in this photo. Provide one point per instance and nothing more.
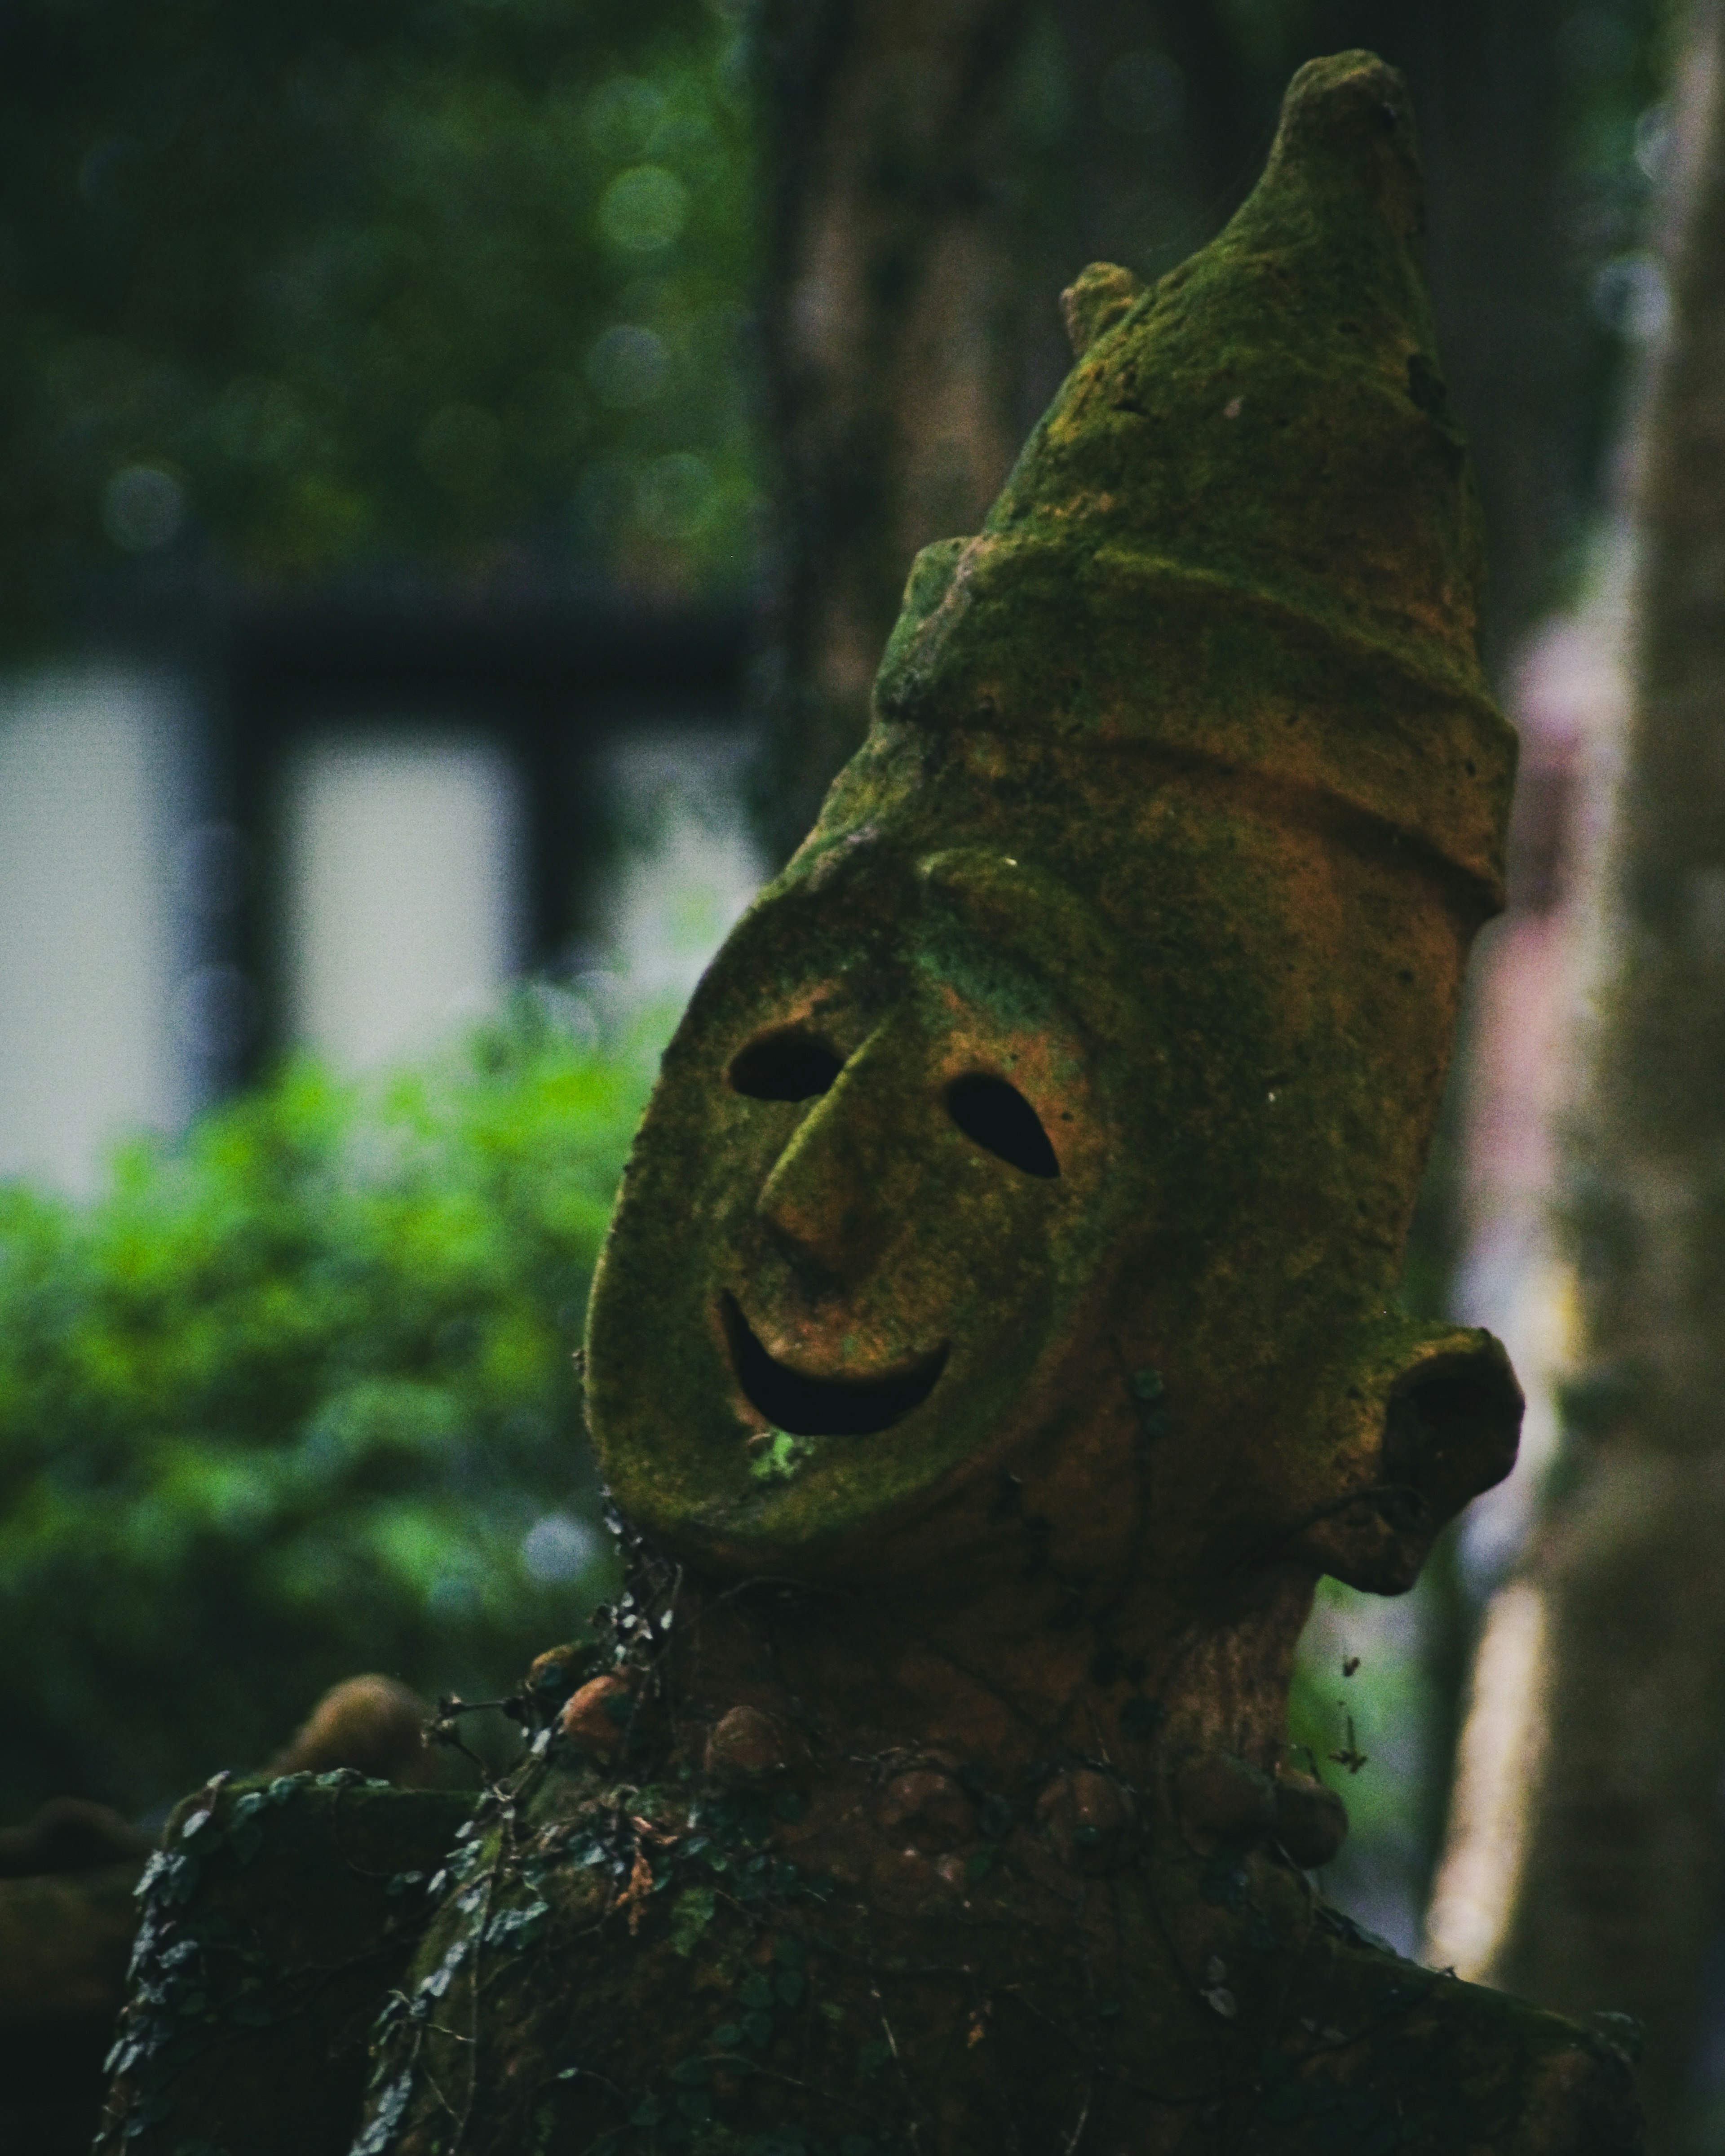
(1225, 1799)
(903, 1881)
(925, 1809)
(596, 1718)
(1311, 1820)
(1088, 1817)
(371, 1722)
(553, 1679)
(747, 1747)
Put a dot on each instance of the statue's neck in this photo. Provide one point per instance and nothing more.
(1011, 1680)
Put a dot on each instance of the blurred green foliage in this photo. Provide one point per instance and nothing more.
(295, 1399)
(305, 287)
(314, 288)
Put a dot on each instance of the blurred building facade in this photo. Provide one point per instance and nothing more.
(342, 824)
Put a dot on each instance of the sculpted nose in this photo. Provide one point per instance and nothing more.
(831, 1192)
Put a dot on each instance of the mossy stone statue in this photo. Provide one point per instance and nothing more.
(997, 1338)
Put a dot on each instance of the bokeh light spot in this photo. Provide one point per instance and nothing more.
(558, 1548)
(1630, 296)
(143, 508)
(261, 421)
(627, 364)
(676, 495)
(643, 210)
(622, 114)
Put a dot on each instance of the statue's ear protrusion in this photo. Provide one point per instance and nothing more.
(1453, 1424)
(1431, 1420)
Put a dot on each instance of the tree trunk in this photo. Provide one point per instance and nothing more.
(1518, 344)
(1607, 1807)
(895, 297)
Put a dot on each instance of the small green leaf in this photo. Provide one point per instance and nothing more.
(691, 1912)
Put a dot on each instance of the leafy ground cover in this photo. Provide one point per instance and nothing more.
(295, 1398)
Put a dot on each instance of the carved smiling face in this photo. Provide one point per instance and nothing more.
(874, 1182)
(946, 1158)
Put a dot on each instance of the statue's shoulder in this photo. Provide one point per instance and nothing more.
(277, 1915)
(1379, 2047)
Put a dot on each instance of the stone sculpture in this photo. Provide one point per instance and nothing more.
(996, 1340)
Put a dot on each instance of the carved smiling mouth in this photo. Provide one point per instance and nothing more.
(823, 1407)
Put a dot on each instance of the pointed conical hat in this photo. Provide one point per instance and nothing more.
(1245, 530)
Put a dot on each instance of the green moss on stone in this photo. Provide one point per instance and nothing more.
(1245, 528)
(275, 1916)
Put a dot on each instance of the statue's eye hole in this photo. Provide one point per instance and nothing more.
(784, 1067)
(1001, 1120)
